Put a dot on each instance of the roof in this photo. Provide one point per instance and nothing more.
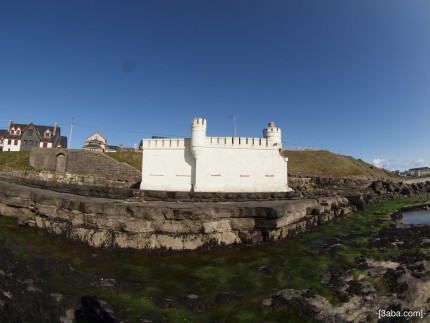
(63, 141)
(92, 145)
(3, 132)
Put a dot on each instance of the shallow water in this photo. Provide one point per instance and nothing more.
(416, 217)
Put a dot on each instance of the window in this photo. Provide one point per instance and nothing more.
(47, 134)
(30, 133)
(25, 142)
(45, 145)
(31, 142)
(37, 143)
(9, 141)
(18, 131)
(12, 131)
(15, 142)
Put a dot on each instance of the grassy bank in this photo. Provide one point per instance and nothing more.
(308, 162)
(326, 163)
(15, 160)
(132, 158)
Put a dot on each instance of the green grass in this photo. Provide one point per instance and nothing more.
(15, 160)
(326, 163)
(132, 158)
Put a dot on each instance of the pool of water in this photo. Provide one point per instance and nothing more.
(416, 217)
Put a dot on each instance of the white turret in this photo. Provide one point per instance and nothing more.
(273, 134)
(198, 136)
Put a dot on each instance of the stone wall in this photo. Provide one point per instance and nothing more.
(84, 163)
(165, 225)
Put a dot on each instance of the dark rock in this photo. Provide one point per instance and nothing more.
(265, 269)
(226, 297)
(195, 303)
(166, 302)
(93, 311)
(152, 317)
(391, 279)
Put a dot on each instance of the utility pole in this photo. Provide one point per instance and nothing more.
(234, 125)
(71, 130)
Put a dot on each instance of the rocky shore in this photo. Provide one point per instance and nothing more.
(393, 289)
(368, 290)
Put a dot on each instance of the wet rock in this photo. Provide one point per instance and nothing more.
(166, 302)
(152, 317)
(226, 297)
(195, 303)
(93, 311)
(265, 269)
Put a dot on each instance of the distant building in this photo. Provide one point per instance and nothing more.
(420, 171)
(23, 137)
(96, 142)
(215, 164)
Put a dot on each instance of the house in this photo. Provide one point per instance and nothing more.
(215, 164)
(23, 137)
(420, 171)
(96, 142)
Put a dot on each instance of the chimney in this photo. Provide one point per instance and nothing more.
(10, 125)
(55, 128)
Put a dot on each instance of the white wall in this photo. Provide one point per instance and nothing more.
(224, 164)
(167, 165)
(248, 169)
(12, 146)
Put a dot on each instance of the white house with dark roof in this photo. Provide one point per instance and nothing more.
(96, 142)
(23, 137)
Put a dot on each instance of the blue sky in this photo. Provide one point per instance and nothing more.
(352, 77)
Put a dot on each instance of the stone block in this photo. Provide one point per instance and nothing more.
(216, 226)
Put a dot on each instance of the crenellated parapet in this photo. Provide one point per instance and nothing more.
(273, 134)
(240, 142)
(168, 143)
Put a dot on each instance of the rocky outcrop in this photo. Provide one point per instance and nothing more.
(162, 225)
(379, 191)
(397, 287)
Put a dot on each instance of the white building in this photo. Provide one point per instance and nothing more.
(215, 164)
(420, 171)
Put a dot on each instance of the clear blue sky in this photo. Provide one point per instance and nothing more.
(352, 77)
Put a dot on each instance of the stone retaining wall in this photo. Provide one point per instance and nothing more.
(82, 162)
(165, 225)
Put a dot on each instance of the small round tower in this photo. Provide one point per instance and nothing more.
(273, 133)
(198, 136)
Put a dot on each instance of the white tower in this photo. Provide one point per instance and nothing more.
(198, 136)
(273, 134)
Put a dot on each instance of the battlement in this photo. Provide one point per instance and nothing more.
(168, 143)
(210, 142)
(239, 142)
(271, 130)
(199, 122)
